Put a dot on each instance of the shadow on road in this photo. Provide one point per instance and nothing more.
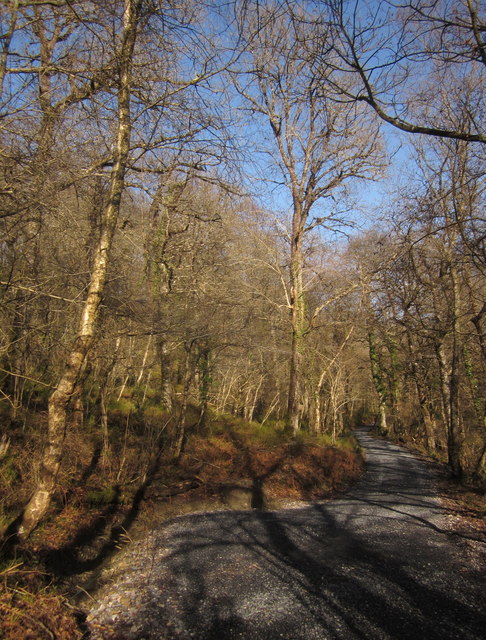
(375, 564)
(339, 585)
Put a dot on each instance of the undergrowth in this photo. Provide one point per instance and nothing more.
(305, 468)
(101, 493)
(31, 608)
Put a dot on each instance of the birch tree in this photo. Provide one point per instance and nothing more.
(113, 122)
(60, 398)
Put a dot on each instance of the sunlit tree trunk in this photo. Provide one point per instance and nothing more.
(297, 311)
(61, 397)
(166, 390)
(444, 382)
(144, 361)
(316, 417)
(379, 383)
(181, 423)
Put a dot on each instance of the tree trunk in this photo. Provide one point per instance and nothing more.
(478, 402)
(444, 383)
(204, 382)
(6, 40)
(166, 390)
(476, 320)
(78, 410)
(297, 311)
(454, 427)
(429, 427)
(316, 420)
(105, 447)
(295, 382)
(314, 414)
(454, 438)
(422, 399)
(181, 424)
(377, 376)
(481, 463)
(394, 426)
(61, 397)
(144, 361)
(254, 400)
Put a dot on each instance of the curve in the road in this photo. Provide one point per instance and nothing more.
(375, 564)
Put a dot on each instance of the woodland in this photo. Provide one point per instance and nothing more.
(250, 215)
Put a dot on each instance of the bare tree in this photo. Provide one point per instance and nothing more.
(426, 306)
(114, 90)
(408, 56)
(8, 25)
(312, 145)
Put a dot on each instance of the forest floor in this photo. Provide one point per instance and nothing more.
(391, 559)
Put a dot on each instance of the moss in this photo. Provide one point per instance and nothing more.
(107, 495)
(9, 472)
(123, 406)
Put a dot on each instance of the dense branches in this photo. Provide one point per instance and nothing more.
(408, 57)
(315, 147)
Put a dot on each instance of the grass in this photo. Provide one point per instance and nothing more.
(36, 614)
(104, 496)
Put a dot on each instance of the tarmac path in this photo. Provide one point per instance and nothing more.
(377, 563)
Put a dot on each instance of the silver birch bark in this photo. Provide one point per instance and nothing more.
(61, 397)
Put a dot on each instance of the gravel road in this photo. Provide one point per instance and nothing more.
(377, 563)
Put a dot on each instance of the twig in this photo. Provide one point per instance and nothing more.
(19, 375)
(88, 594)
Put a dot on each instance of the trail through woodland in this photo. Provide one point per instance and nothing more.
(376, 563)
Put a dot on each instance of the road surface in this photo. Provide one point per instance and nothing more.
(377, 563)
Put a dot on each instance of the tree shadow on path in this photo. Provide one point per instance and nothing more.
(331, 582)
(375, 564)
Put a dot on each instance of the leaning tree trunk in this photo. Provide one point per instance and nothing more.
(316, 421)
(61, 397)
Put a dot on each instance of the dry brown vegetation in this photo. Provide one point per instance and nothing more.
(300, 470)
(97, 509)
(36, 615)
